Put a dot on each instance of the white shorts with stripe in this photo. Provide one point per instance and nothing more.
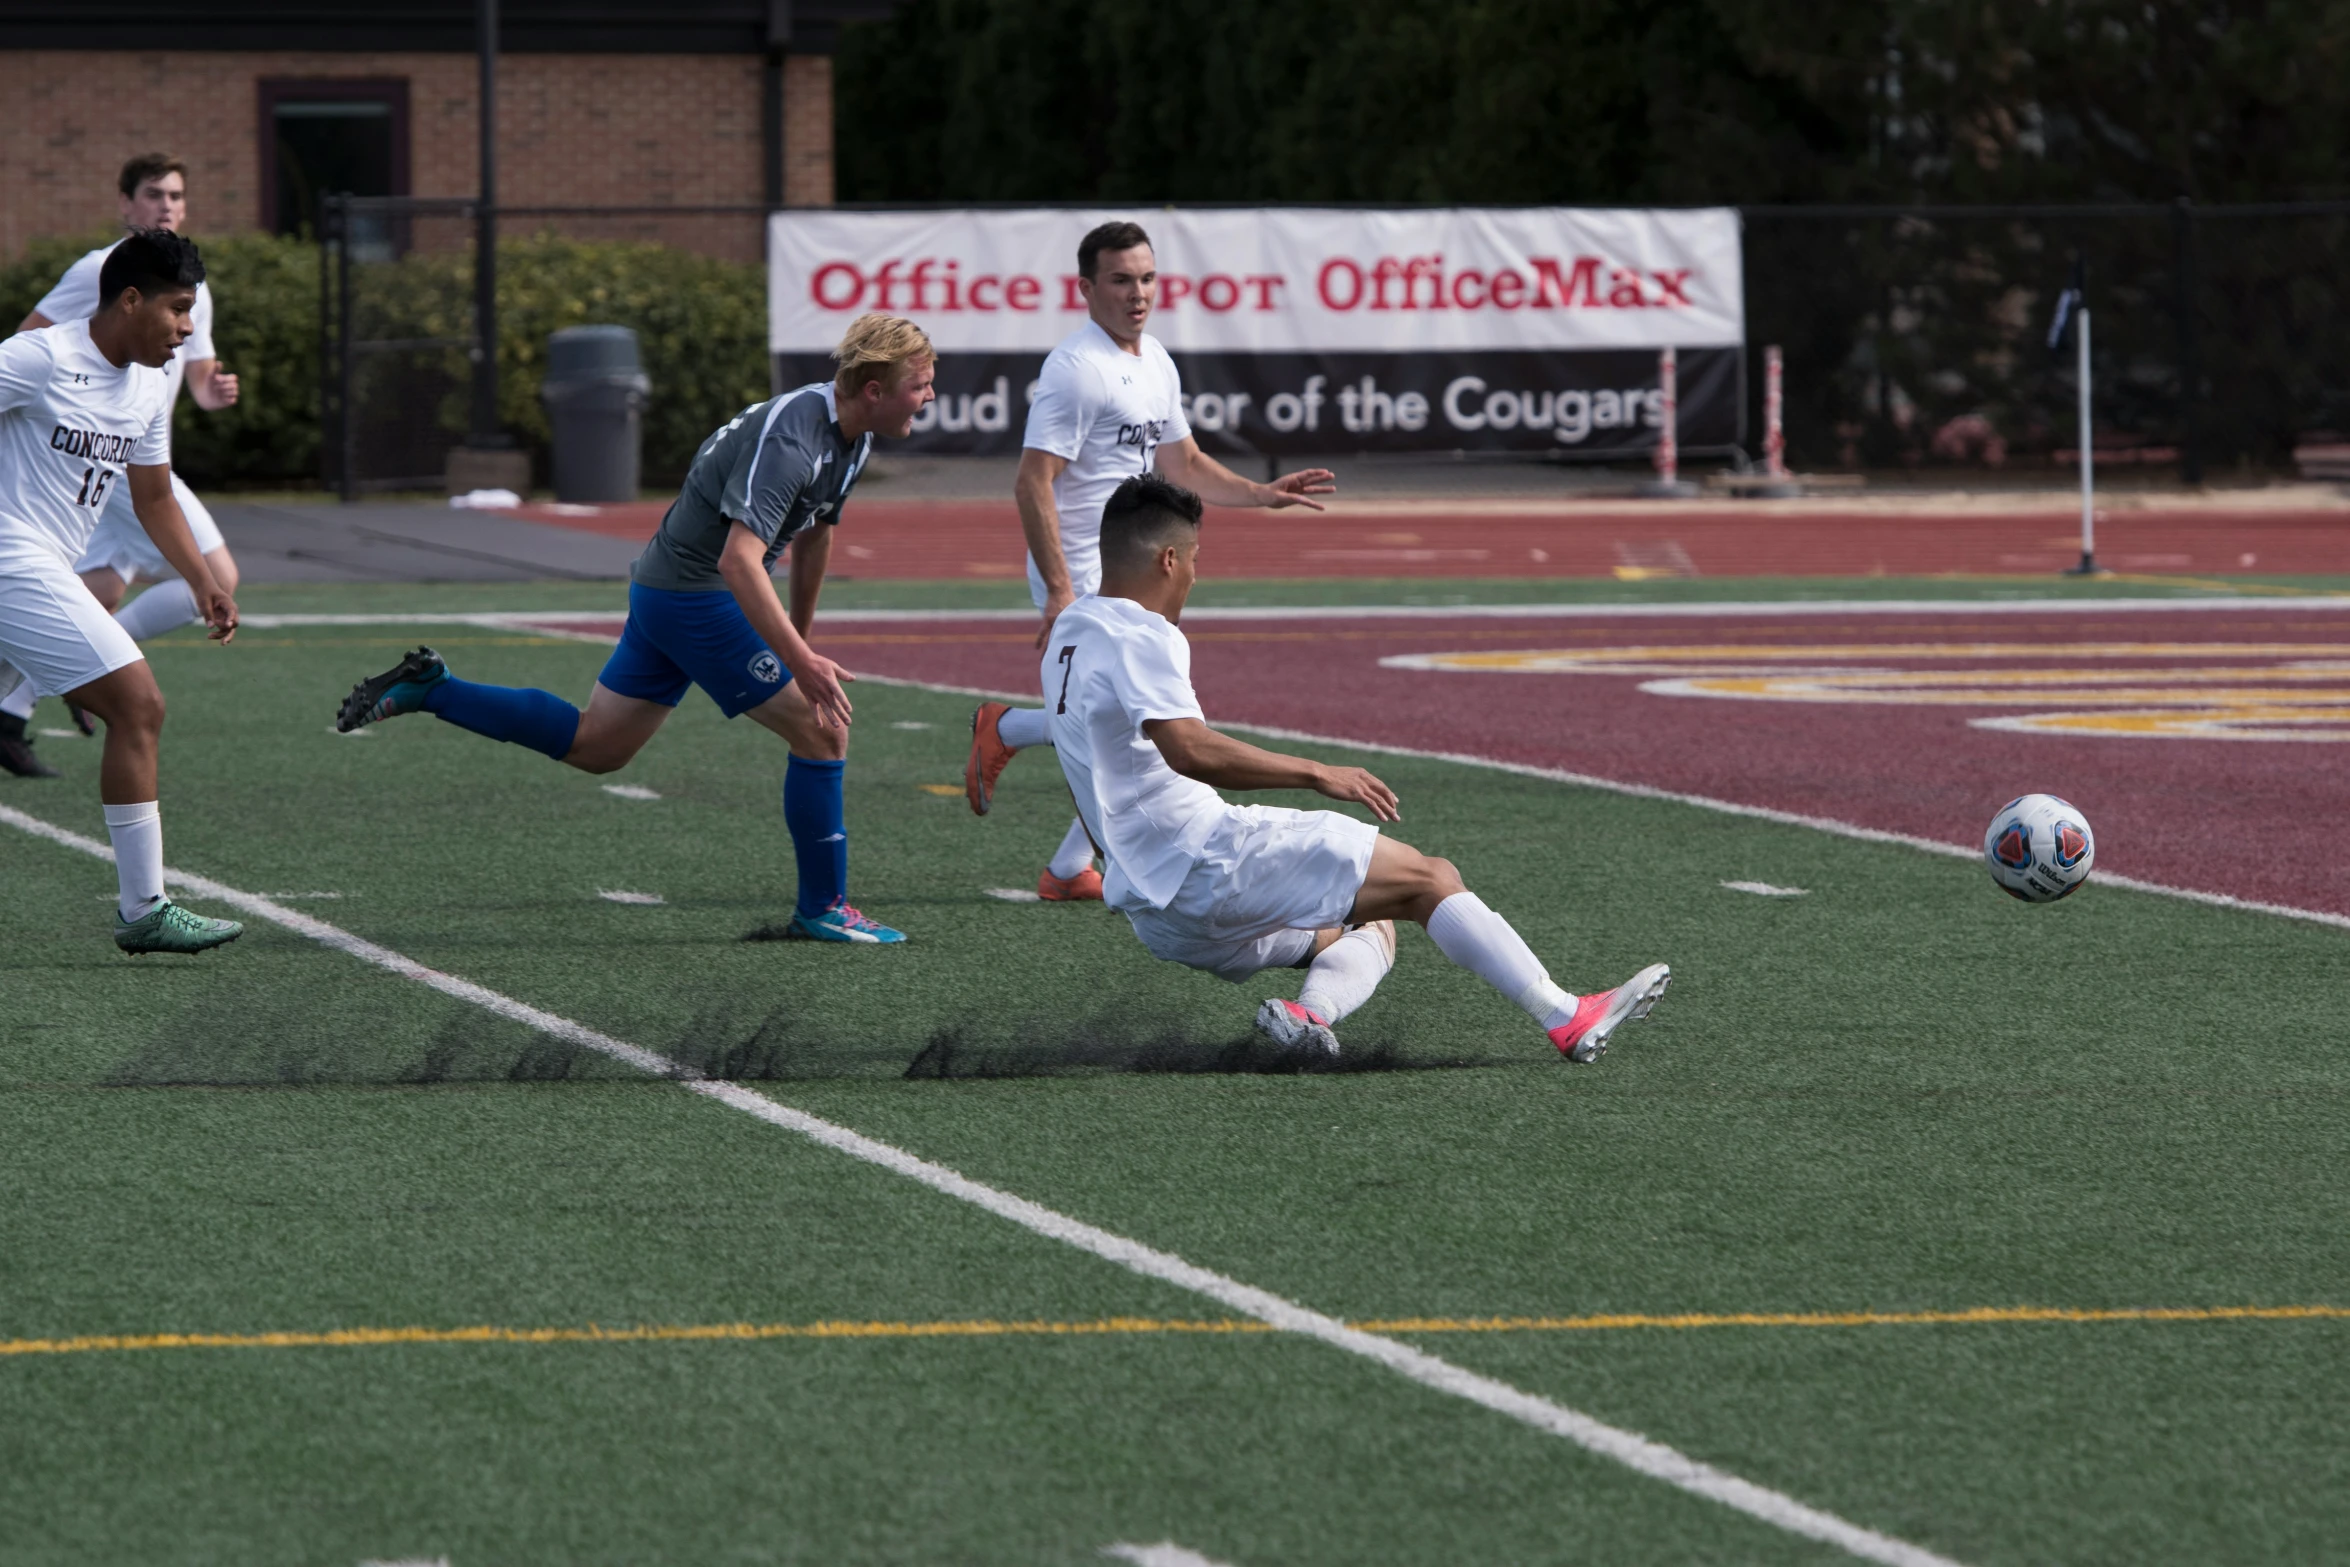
(121, 546)
(52, 630)
(1268, 879)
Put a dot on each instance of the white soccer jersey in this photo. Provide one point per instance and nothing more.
(70, 422)
(1106, 412)
(75, 298)
(1111, 667)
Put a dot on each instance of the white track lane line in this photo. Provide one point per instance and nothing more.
(1826, 824)
(1629, 1448)
(1760, 813)
(543, 620)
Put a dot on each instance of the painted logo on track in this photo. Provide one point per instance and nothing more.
(2279, 691)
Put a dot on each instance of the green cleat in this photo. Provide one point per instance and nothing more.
(399, 689)
(169, 928)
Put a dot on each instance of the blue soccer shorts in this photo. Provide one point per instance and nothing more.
(673, 640)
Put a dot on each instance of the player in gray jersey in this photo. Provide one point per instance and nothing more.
(702, 611)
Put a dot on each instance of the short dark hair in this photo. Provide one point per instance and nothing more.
(149, 166)
(153, 261)
(1110, 236)
(1142, 517)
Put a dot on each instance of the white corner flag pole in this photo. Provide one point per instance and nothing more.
(2088, 565)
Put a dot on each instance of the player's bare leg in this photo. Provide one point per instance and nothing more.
(612, 729)
(1403, 883)
(145, 919)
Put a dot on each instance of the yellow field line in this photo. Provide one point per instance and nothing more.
(342, 1338)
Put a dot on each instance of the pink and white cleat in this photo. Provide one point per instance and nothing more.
(1583, 1038)
(1292, 1027)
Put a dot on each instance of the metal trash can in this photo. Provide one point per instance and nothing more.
(595, 392)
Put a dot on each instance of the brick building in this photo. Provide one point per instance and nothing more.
(274, 102)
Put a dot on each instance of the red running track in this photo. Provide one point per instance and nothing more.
(964, 540)
(2255, 820)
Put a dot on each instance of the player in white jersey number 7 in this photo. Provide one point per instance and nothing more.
(1238, 889)
(84, 407)
(1108, 405)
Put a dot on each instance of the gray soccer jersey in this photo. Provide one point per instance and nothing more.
(780, 468)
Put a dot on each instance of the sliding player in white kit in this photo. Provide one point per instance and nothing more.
(153, 192)
(85, 409)
(1108, 405)
(1236, 889)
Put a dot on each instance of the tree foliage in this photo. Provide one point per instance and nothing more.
(1595, 101)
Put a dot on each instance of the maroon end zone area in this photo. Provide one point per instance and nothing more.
(2257, 820)
(967, 540)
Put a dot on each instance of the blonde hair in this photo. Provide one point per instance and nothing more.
(877, 348)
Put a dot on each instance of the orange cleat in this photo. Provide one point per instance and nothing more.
(1085, 885)
(1583, 1038)
(988, 756)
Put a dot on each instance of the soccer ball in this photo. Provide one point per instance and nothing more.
(2039, 848)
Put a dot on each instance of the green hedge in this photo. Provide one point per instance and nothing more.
(701, 326)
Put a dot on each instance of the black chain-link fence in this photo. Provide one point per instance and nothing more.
(1912, 336)
(1918, 336)
(398, 336)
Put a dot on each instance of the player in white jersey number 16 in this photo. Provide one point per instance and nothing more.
(84, 408)
(153, 195)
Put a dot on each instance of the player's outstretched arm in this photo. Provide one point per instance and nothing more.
(1184, 463)
(212, 387)
(159, 513)
(811, 555)
(1196, 751)
(743, 563)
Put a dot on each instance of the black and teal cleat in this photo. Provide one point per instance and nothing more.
(169, 928)
(399, 689)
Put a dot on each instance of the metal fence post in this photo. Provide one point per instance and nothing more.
(346, 428)
(2190, 356)
(329, 224)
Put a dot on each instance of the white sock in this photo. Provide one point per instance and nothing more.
(1075, 852)
(1482, 942)
(137, 831)
(164, 607)
(20, 701)
(1023, 727)
(1345, 972)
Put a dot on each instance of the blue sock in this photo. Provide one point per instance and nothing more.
(819, 833)
(539, 719)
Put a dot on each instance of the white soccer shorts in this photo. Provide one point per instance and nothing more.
(1082, 580)
(53, 631)
(1268, 879)
(121, 546)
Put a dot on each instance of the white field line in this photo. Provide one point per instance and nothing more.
(1629, 1448)
(1164, 1554)
(1826, 824)
(1764, 889)
(546, 622)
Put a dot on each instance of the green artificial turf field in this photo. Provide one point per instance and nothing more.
(1902, 1094)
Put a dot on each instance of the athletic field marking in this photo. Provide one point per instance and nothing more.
(1628, 1448)
(943, 791)
(556, 622)
(1008, 894)
(350, 734)
(647, 898)
(1164, 1554)
(631, 791)
(1764, 889)
(61, 734)
(1114, 1327)
(1636, 791)
(904, 723)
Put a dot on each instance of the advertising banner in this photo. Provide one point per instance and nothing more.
(1307, 330)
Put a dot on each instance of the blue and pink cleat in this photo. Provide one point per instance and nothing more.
(843, 923)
